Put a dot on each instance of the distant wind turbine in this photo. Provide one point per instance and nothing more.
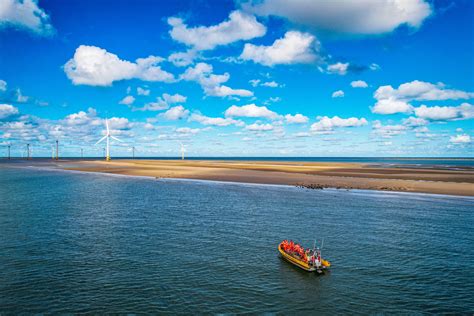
(107, 137)
(183, 150)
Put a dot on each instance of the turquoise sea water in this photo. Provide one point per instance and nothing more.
(90, 243)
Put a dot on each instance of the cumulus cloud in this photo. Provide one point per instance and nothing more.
(460, 139)
(188, 130)
(175, 113)
(338, 68)
(338, 94)
(119, 123)
(259, 127)
(142, 91)
(82, 118)
(391, 106)
(212, 84)
(295, 47)
(3, 85)
(97, 67)
(436, 113)
(250, 110)
(182, 59)
(387, 131)
(391, 101)
(214, 121)
(269, 84)
(25, 14)
(359, 84)
(163, 102)
(328, 124)
(128, 100)
(7, 110)
(421, 91)
(296, 119)
(351, 17)
(414, 121)
(239, 26)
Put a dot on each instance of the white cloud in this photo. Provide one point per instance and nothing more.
(128, 100)
(240, 26)
(374, 66)
(391, 106)
(436, 113)
(7, 110)
(188, 130)
(460, 139)
(328, 124)
(181, 59)
(82, 118)
(259, 127)
(388, 131)
(338, 94)
(353, 17)
(25, 14)
(391, 101)
(3, 85)
(211, 83)
(296, 119)
(215, 121)
(20, 98)
(142, 91)
(338, 68)
(254, 82)
(421, 91)
(175, 113)
(119, 123)
(250, 110)
(359, 84)
(175, 98)
(271, 84)
(162, 103)
(414, 121)
(295, 47)
(96, 67)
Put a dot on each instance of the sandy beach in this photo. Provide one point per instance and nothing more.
(316, 175)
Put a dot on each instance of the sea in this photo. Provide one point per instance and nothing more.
(73, 242)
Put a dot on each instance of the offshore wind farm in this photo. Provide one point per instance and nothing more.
(236, 157)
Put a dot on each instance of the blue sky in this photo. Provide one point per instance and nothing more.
(233, 78)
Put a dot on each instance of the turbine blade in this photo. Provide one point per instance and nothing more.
(101, 139)
(113, 137)
(107, 126)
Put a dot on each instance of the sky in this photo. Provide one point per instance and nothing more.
(238, 78)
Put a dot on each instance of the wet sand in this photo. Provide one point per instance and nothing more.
(315, 175)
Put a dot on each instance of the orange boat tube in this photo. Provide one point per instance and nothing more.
(314, 262)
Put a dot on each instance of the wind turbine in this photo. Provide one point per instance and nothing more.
(183, 150)
(107, 137)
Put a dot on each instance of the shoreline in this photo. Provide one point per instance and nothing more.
(327, 189)
(311, 175)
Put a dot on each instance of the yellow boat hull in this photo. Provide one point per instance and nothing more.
(302, 264)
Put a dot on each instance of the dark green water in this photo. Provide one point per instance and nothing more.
(86, 243)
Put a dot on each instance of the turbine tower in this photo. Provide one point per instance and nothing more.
(183, 150)
(107, 137)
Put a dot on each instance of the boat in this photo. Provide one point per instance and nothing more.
(309, 260)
